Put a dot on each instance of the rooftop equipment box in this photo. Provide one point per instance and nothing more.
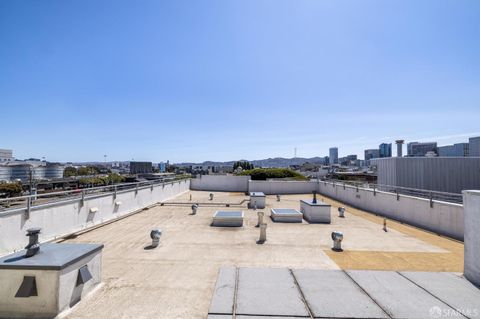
(315, 212)
(257, 199)
(51, 281)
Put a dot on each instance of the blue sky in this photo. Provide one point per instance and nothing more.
(225, 80)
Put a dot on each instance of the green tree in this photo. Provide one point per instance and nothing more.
(264, 173)
(89, 170)
(244, 165)
(10, 189)
(70, 171)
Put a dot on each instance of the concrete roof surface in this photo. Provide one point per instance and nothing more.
(177, 279)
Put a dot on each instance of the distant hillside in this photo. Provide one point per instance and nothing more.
(269, 162)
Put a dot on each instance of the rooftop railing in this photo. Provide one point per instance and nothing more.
(415, 192)
(29, 201)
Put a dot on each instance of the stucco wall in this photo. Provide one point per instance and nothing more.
(282, 187)
(443, 218)
(221, 183)
(471, 200)
(60, 218)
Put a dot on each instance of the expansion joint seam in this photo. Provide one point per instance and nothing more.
(304, 300)
(367, 294)
(428, 292)
(235, 293)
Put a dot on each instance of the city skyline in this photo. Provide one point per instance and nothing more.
(339, 154)
(226, 80)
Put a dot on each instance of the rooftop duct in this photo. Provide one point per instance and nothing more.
(263, 234)
(194, 209)
(337, 238)
(33, 245)
(155, 235)
(260, 218)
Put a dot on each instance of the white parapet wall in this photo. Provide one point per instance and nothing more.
(65, 217)
(220, 183)
(442, 217)
(282, 187)
(471, 200)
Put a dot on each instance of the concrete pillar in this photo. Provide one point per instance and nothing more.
(471, 212)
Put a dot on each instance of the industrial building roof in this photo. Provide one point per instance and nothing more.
(177, 279)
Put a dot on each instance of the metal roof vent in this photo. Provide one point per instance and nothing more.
(260, 219)
(337, 238)
(341, 212)
(33, 246)
(278, 198)
(28, 288)
(263, 234)
(84, 275)
(314, 201)
(211, 196)
(194, 209)
(155, 235)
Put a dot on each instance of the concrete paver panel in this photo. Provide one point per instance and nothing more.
(223, 295)
(452, 289)
(268, 291)
(399, 297)
(332, 294)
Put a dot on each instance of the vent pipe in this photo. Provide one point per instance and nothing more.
(260, 218)
(33, 246)
(337, 238)
(194, 209)
(155, 235)
(263, 234)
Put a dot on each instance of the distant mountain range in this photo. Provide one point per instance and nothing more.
(269, 162)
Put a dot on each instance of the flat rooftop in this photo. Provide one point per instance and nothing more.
(177, 279)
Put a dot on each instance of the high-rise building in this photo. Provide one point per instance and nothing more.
(399, 147)
(6, 155)
(140, 167)
(385, 149)
(474, 146)
(333, 155)
(348, 160)
(416, 149)
(457, 150)
(371, 154)
(162, 167)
